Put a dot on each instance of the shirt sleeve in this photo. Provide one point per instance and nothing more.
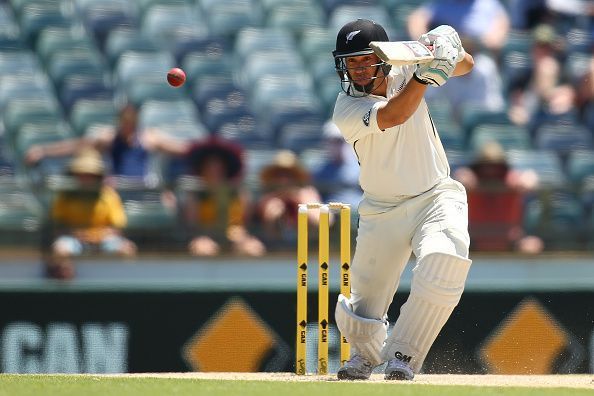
(117, 214)
(356, 117)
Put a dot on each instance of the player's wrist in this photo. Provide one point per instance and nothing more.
(419, 79)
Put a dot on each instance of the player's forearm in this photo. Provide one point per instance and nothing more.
(401, 107)
(464, 66)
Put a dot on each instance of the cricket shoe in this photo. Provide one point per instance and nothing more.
(398, 370)
(357, 368)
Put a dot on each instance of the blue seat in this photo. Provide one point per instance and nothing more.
(219, 111)
(101, 18)
(217, 87)
(563, 138)
(200, 66)
(246, 131)
(184, 45)
(66, 63)
(451, 135)
(580, 165)
(300, 135)
(77, 88)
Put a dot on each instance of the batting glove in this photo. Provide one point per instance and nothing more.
(439, 70)
(449, 33)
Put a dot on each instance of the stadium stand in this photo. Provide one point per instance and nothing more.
(66, 66)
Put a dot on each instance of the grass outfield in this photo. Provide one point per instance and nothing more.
(146, 385)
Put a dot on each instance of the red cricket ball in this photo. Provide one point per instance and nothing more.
(176, 77)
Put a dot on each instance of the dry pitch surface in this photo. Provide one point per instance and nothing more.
(547, 381)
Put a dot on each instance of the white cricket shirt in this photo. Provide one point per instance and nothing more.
(406, 159)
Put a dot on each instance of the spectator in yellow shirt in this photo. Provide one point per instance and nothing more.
(87, 217)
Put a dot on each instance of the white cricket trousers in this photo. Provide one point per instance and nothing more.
(391, 229)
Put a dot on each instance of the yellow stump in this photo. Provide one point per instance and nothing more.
(323, 289)
(345, 273)
(302, 253)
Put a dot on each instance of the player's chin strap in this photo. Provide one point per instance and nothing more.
(357, 90)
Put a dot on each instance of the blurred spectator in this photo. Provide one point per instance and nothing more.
(496, 202)
(485, 21)
(482, 88)
(216, 210)
(127, 147)
(527, 14)
(585, 96)
(86, 217)
(532, 93)
(337, 177)
(285, 183)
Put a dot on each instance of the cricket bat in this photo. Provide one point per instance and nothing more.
(399, 53)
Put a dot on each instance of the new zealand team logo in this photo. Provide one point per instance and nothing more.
(366, 118)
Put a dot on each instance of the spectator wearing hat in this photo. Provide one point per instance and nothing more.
(87, 216)
(496, 194)
(215, 206)
(285, 183)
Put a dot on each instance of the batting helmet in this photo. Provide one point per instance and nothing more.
(353, 40)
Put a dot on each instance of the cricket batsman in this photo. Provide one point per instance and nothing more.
(410, 203)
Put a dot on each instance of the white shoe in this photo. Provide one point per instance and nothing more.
(398, 370)
(357, 368)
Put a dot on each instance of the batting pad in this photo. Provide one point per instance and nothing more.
(437, 285)
(366, 336)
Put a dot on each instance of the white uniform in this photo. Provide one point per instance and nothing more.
(410, 205)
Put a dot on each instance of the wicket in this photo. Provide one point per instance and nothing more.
(323, 281)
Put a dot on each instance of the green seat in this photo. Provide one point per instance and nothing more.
(54, 39)
(347, 13)
(121, 40)
(558, 218)
(317, 43)
(509, 136)
(165, 22)
(134, 65)
(296, 17)
(86, 113)
(39, 133)
(473, 116)
(145, 89)
(21, 218)
(19, 112)
(546, 164)
(226, 18)
(66, 63)
(271, 39)
(36, 16)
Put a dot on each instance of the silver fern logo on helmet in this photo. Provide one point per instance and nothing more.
(351, 35)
